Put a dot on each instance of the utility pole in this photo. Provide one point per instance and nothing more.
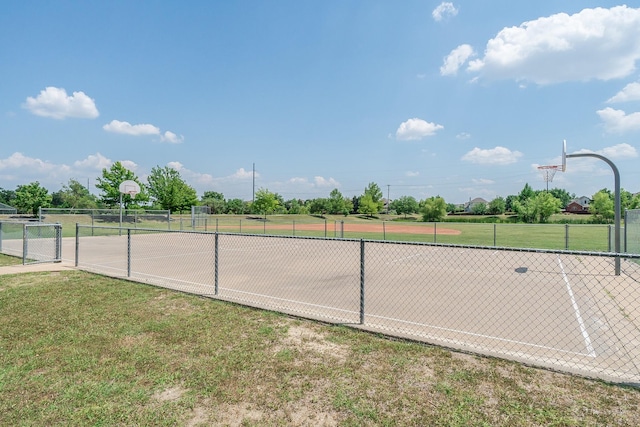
(253, 197)
(388, 200)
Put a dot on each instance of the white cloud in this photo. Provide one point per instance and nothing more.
(617, 121)
(482, 181)
(171, 138)
(630, 92)
(494, 156)
(619, 151)
(243, 174)
(595, 43)
(192, 176)
(116, 126)
(456, 59)
(93, 161)
(176, 165)
(20, 161)
(444, 10)
(323, 182)
(126, 128)
(463, 135)
(415, 128)
(55, 103)
(412, 173)
(130, 165)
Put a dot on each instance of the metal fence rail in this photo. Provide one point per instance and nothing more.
(557, 309)
(33, 242)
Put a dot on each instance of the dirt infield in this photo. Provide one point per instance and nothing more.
(361, 228)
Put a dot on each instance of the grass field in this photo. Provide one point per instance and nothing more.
(80, 349)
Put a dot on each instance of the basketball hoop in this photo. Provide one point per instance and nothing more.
(131, 188)
(548, 172)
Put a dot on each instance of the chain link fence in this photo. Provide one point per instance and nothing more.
(563, 310)
(632, 231)
(33, 242)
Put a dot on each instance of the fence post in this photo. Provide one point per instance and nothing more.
(240, 226)
(78, 241)
(294, 227)
(566, 237)
(1, 236)
(216, 225)
(39, 213)
(205, 225)
(362, 271)
(128, 252)
(435, 232)
(384, 231)
(58, 229)
(494, 234)
(215, 268)
(609, 238)
(24, 244)
(625, 230)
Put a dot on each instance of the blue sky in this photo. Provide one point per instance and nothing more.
(460, 99)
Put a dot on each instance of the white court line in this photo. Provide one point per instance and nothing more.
(583, 327)
(477, 335)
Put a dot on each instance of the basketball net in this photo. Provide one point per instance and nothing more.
(548, 172)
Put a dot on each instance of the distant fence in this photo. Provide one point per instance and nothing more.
(580, 237)
(7, 210)
(136, 217)
(33, 242)
(564, 310)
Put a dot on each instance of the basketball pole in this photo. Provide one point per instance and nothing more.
(617, 218)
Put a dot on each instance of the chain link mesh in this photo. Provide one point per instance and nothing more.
(563, 310)
(33, 242)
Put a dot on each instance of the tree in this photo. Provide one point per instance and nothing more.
(7, 196)
(337, 203)
(110, 182)
(405, 205)
(74, 196)
(372, 197)
(169, 190)
(526, 193)
(562, 195)
(265, 202)
(215, 201)
(434, 209)
(320, 206)
(236, 206)
(296, 207)
(602, 207)
(509, 202)
(479, 209)
(537, 208)
(31, 197)
(497, 206)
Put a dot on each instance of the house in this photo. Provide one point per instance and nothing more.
(468, 207)
(579, 205)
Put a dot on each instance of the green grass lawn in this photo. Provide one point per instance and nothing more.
(80, 349)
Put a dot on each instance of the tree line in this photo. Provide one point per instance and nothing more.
(166, 189)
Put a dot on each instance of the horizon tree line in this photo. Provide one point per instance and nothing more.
(166, 189)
